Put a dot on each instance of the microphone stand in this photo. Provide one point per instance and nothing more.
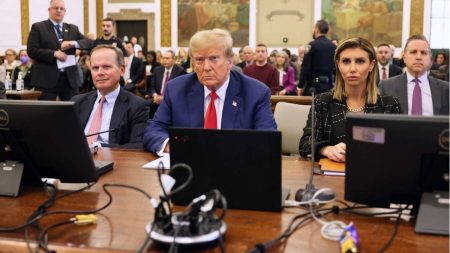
(306, 194)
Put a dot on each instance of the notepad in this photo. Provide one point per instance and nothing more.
(329, 167)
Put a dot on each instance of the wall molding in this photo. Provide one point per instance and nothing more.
(166, 23)
(25, 20)
(416, 17)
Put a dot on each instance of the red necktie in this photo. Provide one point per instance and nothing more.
(384, 74)
(165, 82)
(416, 99)
(211, 116)
(96, 123)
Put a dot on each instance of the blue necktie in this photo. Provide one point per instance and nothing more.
(59, 32)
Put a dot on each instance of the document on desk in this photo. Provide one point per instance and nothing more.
(70, 61)
(329, 167)
(165, 159)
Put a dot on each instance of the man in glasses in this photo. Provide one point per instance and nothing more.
(52, 44)
(212, 96)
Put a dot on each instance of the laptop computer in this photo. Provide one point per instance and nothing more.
(244, 165)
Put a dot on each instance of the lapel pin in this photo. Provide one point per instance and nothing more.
(234, 103)
(65, 30)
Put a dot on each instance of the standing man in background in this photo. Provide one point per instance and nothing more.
(108, 38)
(52, 44)
(318, 65)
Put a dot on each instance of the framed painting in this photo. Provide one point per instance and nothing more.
(197, 15)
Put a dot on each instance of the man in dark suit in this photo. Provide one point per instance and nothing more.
(167, 71)
(385, 69)
(248, 56)
(212, 97)
(110, 106)
(418, 93)
(318, 64)
(51, 41)
(134, 69)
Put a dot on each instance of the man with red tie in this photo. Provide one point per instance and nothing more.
(212, 96)
(385, 69)
(161, 75)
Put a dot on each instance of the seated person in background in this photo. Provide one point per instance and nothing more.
(212, 97)
(286, 74)
(418, 93)
(162, 74)
(355, 91)
(110, 106)
(134, 69)
(24, 68)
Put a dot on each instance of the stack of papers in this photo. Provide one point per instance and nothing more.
(329, 167)
(165, 159)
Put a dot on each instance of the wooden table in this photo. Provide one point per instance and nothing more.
(300, 100)
(120, 227)
(23, 94)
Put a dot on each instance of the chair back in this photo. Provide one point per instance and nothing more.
(291, 119)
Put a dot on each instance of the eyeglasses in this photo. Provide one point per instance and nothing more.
(200, 60)
(58, 8)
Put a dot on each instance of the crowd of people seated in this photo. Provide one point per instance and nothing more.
(129, 87)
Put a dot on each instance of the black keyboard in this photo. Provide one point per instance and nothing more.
(103, 166)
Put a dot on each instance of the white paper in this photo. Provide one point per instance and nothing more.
(165, 159)
(70, 61)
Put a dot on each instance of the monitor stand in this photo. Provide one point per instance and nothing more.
(433, 213)
(16, 168)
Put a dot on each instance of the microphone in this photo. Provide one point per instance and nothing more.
(303, 195)
(106, 131)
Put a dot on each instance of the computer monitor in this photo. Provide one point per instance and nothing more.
(394, 158)
(47, 138)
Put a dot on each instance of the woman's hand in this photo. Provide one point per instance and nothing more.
(335, 153)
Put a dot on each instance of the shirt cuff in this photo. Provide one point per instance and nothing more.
(77, 45)
(161, 150)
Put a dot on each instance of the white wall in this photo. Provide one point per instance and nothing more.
(10, 25)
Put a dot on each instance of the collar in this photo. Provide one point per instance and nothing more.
(383, 66)
(110, 97)
(168, 70)
(221, 92)
(56, 23)
(423, 78)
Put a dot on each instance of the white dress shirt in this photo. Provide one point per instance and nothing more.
(218, 103)
(427, 101)
(107, 111)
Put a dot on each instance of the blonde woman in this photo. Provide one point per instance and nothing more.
(355, 91)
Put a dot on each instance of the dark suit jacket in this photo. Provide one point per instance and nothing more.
(394, 70)
(158, 77)
(129, 117)
(319, 61)
(241, 65)
(246, 106)
(42, 44)
(397, 87)
(2, 90)
(136, 73)
(330, 120)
